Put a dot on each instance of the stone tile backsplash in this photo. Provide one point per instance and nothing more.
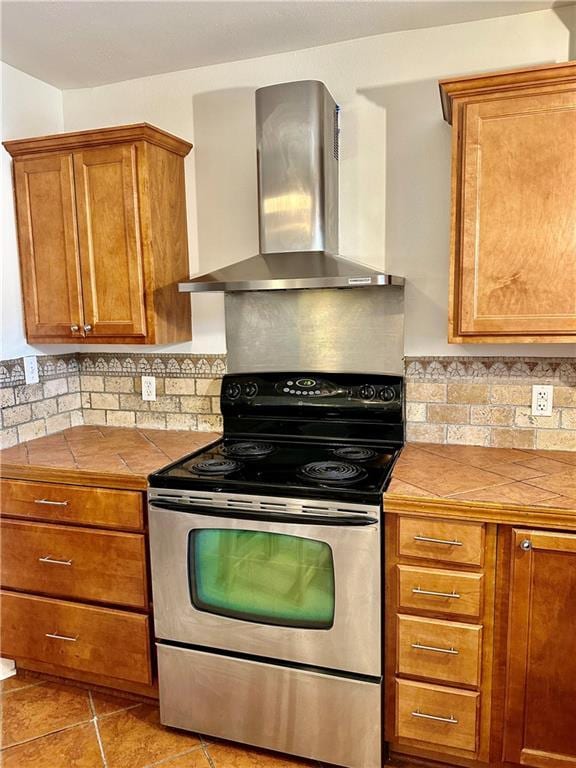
(487, 401)
(464, 400)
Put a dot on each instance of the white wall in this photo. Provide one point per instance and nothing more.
(29, 108)
(395, 165)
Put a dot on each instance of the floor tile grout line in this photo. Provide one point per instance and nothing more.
(46, 735)
(164, 760)
(208, 755)
(22, 688)
(97, 730)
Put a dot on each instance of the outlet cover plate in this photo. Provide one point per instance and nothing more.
(31, 370)
(542, 397)
(148, 387)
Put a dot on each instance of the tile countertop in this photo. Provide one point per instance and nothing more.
(108, 457)
(502, 485)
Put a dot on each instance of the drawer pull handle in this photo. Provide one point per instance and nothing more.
(56, 636)
(447, 542)
(51, 503)
(418, 591)
(452, 720)
(419, 647)
(48, 559)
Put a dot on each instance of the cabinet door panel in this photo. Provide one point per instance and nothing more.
(48, 246)
(110, 242)
(516, 272)
(541, 692)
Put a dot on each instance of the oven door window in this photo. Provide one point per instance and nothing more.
(269, 578)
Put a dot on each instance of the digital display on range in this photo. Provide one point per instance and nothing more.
(305, 383)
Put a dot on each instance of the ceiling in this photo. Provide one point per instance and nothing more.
(77, 43)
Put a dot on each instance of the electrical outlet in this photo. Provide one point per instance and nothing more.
(542, 396)
(31, 370)
(148, 387)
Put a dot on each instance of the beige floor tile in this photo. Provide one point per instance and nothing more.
(41, 709)
(73, 748)
(135, 738)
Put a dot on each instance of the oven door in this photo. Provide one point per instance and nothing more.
(292, 587)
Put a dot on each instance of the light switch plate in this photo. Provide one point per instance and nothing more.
(148, 387)
(31, 370)
(542, 398)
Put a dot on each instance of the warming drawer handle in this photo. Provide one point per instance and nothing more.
(434, 649)
(51, 503)
(57, 636)
(430, 593)
(447, 542)
(54, 561)
(452, 720)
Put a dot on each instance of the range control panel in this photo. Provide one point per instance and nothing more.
(304, 404)
(340, 390)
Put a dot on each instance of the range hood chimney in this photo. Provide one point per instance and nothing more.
(297, 144)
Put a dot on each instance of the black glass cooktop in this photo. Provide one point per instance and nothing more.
(357, 472)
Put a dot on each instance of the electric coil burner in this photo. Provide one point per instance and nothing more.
(266, 566)
(332, 472)
(215, 467)
(248, 450)
(354, 453)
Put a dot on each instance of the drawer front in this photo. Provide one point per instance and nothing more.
(55, 503)
(436, 715)
(439, 591)
(59, 560)
(440, 650)
(444, 540)
(100, 641)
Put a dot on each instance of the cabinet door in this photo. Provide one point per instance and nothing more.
(48, 247)
(540, 727)
(514, 271)
(110, 242)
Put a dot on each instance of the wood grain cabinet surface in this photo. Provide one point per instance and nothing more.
(102, 236)
(540, 721)
(75, 598)
(513, 263)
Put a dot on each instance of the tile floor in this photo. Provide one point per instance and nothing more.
(55, 725)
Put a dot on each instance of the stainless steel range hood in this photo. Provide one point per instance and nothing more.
(297, 143)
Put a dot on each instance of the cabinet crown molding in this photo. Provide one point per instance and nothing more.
(493, 82)
(119, 134)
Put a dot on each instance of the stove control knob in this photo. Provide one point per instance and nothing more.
(387, 394)
(233, 391)
(367, 392)
(251, 389)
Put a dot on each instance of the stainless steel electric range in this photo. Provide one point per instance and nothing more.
(266, 566)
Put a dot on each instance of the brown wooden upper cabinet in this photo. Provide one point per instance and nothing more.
(540, 714)
(102, 236)
(513, 260)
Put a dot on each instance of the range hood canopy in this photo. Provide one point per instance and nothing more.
(297, 148)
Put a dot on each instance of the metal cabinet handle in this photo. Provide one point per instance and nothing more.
(74, 328)
(51, 503)
(452, 720)
(48, 559)
(526, 545)
(433, 648)
(87, 328)
(56, 636)
(447, 542)
(418, 591)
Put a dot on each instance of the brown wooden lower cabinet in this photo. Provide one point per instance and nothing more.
(497, 685)
(75, 598)
(540, 725)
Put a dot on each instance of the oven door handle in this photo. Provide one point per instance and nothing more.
(343, 519)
